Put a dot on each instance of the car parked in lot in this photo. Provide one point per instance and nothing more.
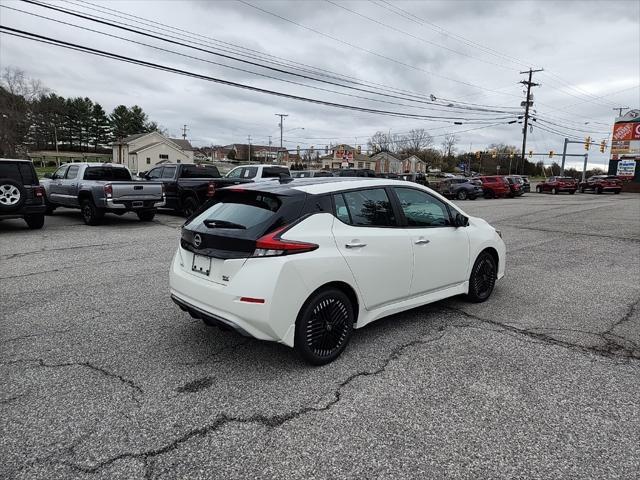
(494, 186)
(187, 186)
(557, 185)
(526, 184)
(416, 177)
(459, 188)
(99, 188)
(311, 173)
(602, 183)
(515, 186)
(355, 172)
(307, 261)
(21, 195)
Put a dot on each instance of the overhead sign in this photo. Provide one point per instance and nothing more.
(626, 168)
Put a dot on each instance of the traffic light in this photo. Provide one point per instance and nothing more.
(587, 143)
(298, 149)
(530, 153)
(603, 146)
(550, 153)
(359, 150)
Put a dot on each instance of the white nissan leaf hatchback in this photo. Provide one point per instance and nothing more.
(304, 262)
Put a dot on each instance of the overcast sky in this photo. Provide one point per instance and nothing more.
(460, 51)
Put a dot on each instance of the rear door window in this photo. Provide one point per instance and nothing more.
(169, 172)
(274, 172)
(72, 172)
(369, 208)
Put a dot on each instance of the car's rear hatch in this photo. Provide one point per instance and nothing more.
(216, 243)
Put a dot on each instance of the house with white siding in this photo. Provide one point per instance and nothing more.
(143, 151)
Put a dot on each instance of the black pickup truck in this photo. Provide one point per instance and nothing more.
(188, 185)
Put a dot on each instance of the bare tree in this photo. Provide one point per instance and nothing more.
(449, 145)
(417, 140)
(380, 142)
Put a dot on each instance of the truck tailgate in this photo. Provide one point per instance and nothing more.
(137, 190)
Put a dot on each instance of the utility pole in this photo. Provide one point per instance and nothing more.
(281, 115)
(527, 104)
(184, 132)
(620, 110)
(249, 140)
(564, 154)
(584, 168)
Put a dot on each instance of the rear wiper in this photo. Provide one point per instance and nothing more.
(223, 224)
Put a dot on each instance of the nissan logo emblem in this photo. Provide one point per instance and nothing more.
(197, 240)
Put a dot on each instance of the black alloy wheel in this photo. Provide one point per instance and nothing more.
(598, 190)
(555, 191)
(90, 213)
(189, 205)
(324, 326)
(461, 195)
(34, 222)
(483, 278)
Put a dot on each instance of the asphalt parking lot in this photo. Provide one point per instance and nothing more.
(103, 377)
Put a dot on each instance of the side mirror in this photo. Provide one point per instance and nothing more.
(48, 175)
(460, 220)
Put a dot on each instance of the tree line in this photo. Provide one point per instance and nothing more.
(34, 118)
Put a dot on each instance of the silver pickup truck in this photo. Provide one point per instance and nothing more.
(99, 188)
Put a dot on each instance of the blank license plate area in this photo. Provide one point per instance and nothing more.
(201, 264)
(137, 203)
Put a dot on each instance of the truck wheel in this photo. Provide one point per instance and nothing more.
(34, 222)
(146, 215)
(91, 214)
(12, 195)
(189, 205)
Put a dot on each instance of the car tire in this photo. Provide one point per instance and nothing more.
(472, 197)
(324, 326)
(581, 189)
(146, 215)
(12, 195)
(617, 192)
(489, 194)
(189, 205)
(483, 278)
(34, 222)
(539, 189)
(461, 195)
(599, 190)
(571, 192)
(554, 191)
(91, 214)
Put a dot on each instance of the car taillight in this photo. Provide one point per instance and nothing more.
(211, 189)
(38, 191)
(272, 245)
(108, 190)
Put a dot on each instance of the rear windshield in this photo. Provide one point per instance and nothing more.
(274, 172)
(247, 210)
(106, 173)
(200, 171)
(303, 174)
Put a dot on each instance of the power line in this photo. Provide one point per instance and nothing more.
(371, 52)
(143, 33)
(114, 56)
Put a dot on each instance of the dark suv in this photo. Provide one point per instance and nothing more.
(21, 195)
(459, 188)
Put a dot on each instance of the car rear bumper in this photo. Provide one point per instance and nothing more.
(272, 280)
(115, 204)
(24, 211)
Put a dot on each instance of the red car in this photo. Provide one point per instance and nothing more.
(556, 185)
(602, 183)
(495, 186)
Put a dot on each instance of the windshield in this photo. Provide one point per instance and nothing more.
(106, 173)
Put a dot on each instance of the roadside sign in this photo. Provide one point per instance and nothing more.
(626, 168)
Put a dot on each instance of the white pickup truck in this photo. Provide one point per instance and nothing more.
(99, 188)
(258, 172)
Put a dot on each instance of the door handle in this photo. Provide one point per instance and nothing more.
(355, 245)
(422, 241)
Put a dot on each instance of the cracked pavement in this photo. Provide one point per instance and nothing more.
(103, 377)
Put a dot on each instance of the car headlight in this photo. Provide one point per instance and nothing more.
(499, 233)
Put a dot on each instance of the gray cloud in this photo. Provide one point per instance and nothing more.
(592, 46)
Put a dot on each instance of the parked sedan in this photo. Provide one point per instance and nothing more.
(602, 183)
(556, 185)
(460, 188)
(303, 263)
